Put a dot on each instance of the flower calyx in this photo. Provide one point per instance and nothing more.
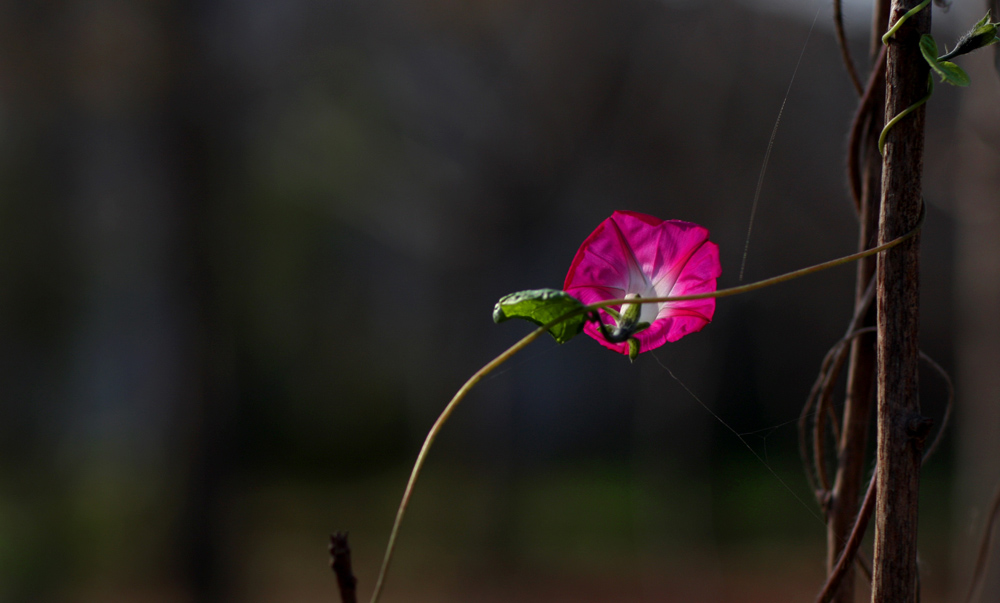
(982, 34)
(626, 326)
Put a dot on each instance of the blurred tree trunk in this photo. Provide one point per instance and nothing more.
(41, 292)
(193, 118)
(154, 341)
(111, 152)
(977, 275)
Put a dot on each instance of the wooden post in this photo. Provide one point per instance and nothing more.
(901, 428)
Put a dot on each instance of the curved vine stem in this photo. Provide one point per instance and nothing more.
(895, 26)
(950, 386)
(820, 396)
(436, 429)
(527, 339)
(823, 384)
(847, 556)
(902, 114)
(860, 123)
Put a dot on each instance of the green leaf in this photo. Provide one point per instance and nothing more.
(928, 48)
(949, 72)
(542, 306)
(952, 73)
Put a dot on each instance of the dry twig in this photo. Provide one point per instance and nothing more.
(850, 551)
(858, 126)
(821, 390)
(845, 52)
(340, 563)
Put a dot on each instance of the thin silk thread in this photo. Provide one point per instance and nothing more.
(741, 438)
(770, 145)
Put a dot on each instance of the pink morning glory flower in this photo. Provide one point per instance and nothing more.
(632, 254)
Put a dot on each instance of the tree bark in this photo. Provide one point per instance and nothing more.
(901, 428)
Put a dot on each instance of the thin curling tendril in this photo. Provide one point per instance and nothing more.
(930, 83)
(895, 120)
(895, 26)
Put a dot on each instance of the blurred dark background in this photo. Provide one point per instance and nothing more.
(250, 249)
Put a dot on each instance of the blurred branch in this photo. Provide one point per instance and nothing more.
(869, 104)
(829, 370)
(845, 52)
(340, 563)
(985, 545)
(849, 553)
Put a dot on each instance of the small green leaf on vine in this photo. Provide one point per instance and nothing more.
(949, 72)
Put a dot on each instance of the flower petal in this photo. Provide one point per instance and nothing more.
(699, 271)
(602, 261)
(661, 248)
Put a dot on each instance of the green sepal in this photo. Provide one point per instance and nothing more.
(949, 72)
(630, 314)
(633, 349)
(542, 306)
